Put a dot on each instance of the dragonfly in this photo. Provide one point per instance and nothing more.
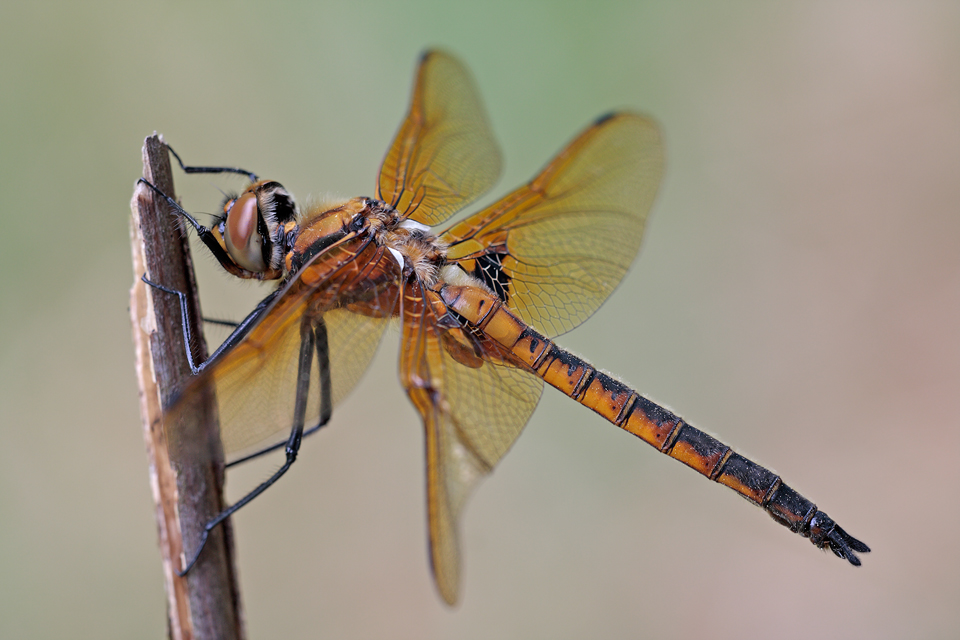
(478, 304)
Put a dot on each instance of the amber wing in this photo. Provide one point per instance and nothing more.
(473, 405)
(444, 156)
(255, 381)
(556, 248)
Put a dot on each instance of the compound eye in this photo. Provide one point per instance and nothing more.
(244, 242)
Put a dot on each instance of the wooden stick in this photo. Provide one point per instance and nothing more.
(206, 603)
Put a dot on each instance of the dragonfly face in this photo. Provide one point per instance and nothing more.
(253, 231)
(478, 304)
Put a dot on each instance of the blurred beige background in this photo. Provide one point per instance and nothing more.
(798, 294)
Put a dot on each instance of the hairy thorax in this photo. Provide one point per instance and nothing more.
(413, 245)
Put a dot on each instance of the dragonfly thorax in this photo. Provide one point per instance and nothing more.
(416, 249)
(412, 244)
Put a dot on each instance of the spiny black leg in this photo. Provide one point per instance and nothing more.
(184, 321)
(252, 176)
(326, 393)
(205, 235)
(175, 205)
(240, 329)
(222, 323)
(323, 357)
(279, 445)
(293, 443)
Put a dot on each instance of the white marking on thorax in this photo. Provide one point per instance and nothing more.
(396, 256)
(412, 225)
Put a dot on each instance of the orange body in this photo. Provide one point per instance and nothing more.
(627, 409)
(468, 298)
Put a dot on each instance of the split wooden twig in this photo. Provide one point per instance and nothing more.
(187, 483)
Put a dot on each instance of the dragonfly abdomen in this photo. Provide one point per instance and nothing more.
(655, 425)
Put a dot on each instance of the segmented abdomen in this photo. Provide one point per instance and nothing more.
(650, 422)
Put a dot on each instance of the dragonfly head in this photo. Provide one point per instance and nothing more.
(252, 229)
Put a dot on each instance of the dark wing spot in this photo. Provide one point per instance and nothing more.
(489, 270)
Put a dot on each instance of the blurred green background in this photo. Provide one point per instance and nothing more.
(798, 294)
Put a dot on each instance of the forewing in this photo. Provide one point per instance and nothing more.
(555, 248)
(255, 381)
(471, 417)
(444, 155)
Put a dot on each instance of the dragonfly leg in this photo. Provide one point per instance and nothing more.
(326, 401)
(205, 235)
(239, 331)
(307, 342)
(189, 169)
(279, 445)
(323, 358)
(184, 321)
(223, 323)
